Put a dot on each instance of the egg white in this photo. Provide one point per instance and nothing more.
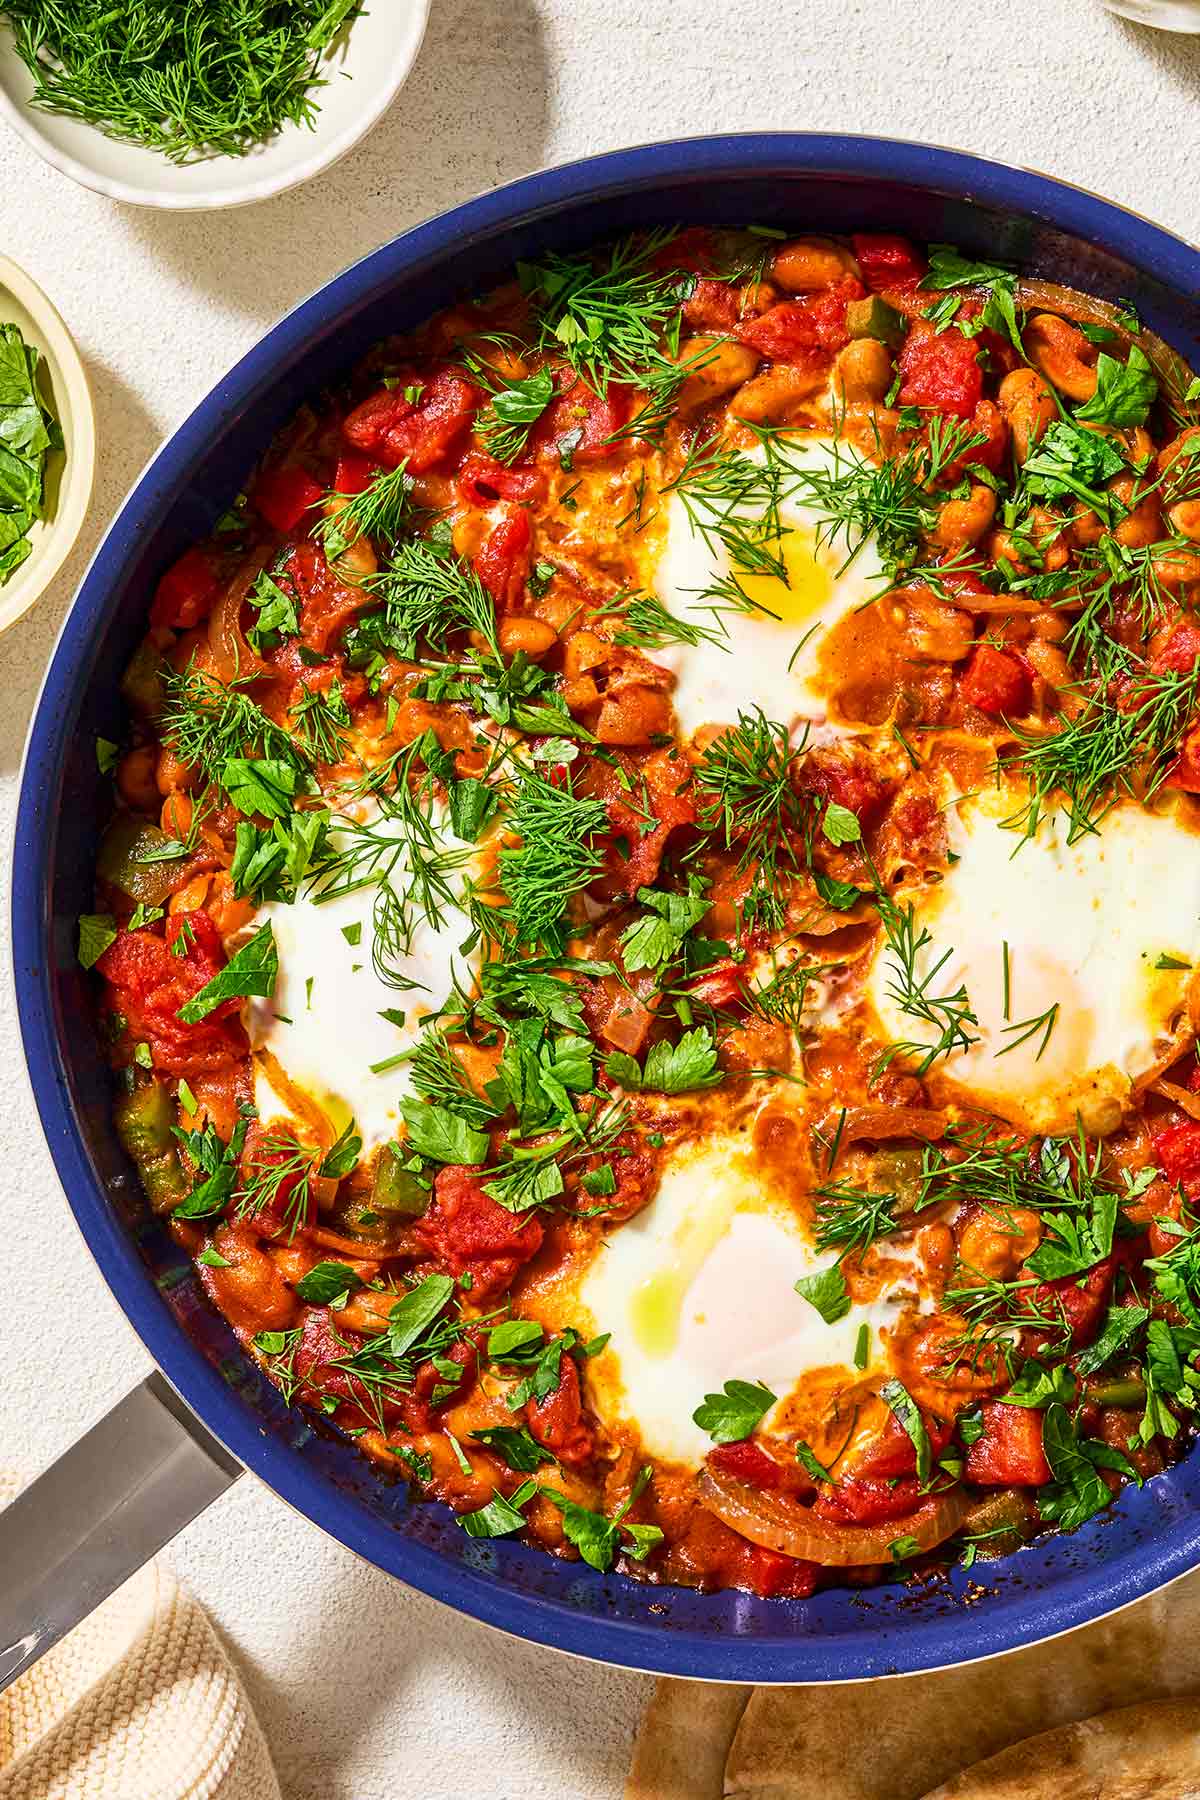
(699, 1289)
(324, 1022)
(1085, 924)
(769, 656)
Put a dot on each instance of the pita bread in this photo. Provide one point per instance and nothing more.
(684, 1740)
(898, 1738)
(1147, 1752)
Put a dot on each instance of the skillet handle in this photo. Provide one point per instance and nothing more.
(97, 1514)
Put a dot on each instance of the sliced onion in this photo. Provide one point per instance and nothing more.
(1178, 1096)
(232, 657)
(879, 1123)
(784, 1525)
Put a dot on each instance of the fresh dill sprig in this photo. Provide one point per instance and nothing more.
(747, 798)
(207, 723)
(400, 850)
(1093, 759)
(849, 1219)
(322, 720)
(947, 1016)
(782, 999)
(438, 1076)
(560, 852)
(615, 317)
(640, 621)
(733, 502)
(891, 502)
(381, 512)
(284, 1160)
(427, 595)
(187, 78)
(1022, 1030)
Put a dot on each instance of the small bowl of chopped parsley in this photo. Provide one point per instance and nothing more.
(195, 104)
(47, 442)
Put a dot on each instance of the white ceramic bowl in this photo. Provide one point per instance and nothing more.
(364, 69)
(68, 472)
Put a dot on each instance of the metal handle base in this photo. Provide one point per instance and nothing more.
(102, 1510)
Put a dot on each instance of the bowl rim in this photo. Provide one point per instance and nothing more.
(80, 464)
(942, 1638)
(24, 120)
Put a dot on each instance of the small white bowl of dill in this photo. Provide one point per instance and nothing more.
(198, 104)
(47, 443)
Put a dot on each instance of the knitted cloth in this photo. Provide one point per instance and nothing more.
(139, 1702)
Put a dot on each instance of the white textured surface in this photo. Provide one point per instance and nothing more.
(367, 1691)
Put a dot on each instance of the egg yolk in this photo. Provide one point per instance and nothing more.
(810, 570)
(657, 1303)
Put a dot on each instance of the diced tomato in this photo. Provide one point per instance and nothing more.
(747, 1462)
(416, 423)
(317, 1351)
(635, 1169)
(558, 1421)
(887, 261)
(187, 592)
(1184, 772)
(894, 1453)
(364, 427)
(292, 1203)
(578, 426)
(711, 306)
(1180, 653)
(324, 603)
(632, 862)
(285, 496)
(469, 1233)
(780, 1577)
(782, 334)
(869, 1501)
(1177, 1148)
(1078, 1299)
(795, 328)
(997, 682)
(434, 1388)
(846, 779)
(152, 984)
(354, 473)
(502, 563)
(1010, 1452)
(940, 371)
(482, 481)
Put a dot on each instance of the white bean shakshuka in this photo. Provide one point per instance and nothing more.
(649, 932)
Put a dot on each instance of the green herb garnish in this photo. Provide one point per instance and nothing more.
(188, 78)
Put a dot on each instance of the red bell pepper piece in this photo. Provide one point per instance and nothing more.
(354, 474)
(187, 592)
(283, 496)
